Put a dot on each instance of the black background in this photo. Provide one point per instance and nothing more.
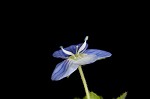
(37, 33)
(108, 77)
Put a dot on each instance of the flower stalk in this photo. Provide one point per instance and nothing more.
(84, 82)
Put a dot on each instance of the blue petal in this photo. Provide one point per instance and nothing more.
(60, 54)
(63, 70)
(72, 48)
(99, 53)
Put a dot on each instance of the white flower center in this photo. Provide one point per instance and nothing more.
(77, 55)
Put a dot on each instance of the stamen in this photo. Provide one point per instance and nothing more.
(66, 52)
(83, 45)
(77, 49)
(86, 38)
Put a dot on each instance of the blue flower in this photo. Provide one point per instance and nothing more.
(75, 56)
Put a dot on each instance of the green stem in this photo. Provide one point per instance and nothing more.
(84, 82)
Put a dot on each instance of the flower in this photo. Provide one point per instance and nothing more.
(75, 56)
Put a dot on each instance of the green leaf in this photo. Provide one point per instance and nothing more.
(93, 96)
(123, 96)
